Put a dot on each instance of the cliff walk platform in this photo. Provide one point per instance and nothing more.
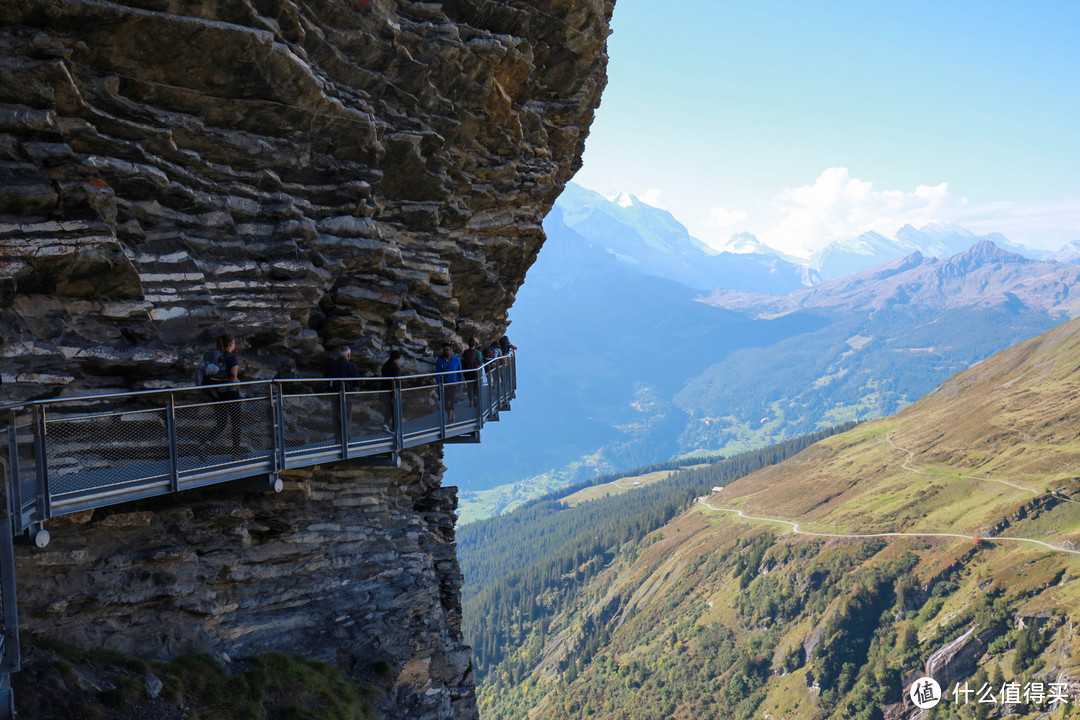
(66, 455)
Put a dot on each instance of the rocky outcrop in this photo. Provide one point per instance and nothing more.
(370, 172)
(303, 175)
(351, 564)
(958, 658)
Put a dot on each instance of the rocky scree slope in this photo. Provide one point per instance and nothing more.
(302, 175)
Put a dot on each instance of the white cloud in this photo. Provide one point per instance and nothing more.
(652, 197)
(721, 218)
(840, 206)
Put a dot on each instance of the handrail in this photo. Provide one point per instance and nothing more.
(54, 463)
(244, 383)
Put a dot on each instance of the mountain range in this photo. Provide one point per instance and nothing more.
(891, 334)
(942, 541)
(870, 249)
(983, 275)
(622, 364)
(651, 241)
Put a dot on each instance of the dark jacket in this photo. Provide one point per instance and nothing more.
(339, 367)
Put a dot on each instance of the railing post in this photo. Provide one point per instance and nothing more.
(399, 431)
(441, 383)
(11, 657)
(15, 478)
(276, 441)
(174, 449)
(502, 384)
(343, 420)
(279, 407)
(489, 383)
(44, 502)
(479, 397)
(513, 375)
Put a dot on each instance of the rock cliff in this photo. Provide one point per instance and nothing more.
(370, 172)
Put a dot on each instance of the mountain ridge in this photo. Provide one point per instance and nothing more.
(715, 615)
(963, 280)
(652, 240)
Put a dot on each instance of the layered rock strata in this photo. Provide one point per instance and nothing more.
(304, 175)
(350, 564)
(370, 172)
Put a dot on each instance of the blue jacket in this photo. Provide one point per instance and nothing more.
(453, 365)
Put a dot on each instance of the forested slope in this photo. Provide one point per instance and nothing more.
(520, 567)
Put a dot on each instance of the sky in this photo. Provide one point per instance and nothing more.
(803, 122)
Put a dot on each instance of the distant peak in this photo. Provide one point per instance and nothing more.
(943, 227)
(985, 251)
(744, 243)
(987, 248)
(895, 267)
(622, 199)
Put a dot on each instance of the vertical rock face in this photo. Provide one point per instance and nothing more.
(370, 172)
(350, 564)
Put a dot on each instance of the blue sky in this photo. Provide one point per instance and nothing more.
(806, 121)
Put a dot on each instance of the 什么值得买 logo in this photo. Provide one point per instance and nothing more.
(925, 693)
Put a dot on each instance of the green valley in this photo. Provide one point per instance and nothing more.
(942, 540)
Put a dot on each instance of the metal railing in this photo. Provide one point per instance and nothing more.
(69, 454)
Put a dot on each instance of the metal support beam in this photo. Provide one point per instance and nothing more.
(386, 460)
(7, 698)
(470, 438)
(10, 650)
(13, 480)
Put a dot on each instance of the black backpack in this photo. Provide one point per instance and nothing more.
(212, 365)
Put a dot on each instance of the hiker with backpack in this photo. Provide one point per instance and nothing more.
(220, 367)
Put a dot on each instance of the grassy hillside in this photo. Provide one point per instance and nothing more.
(716, 615)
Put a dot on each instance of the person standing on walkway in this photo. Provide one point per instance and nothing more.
(471, 360)
(391, 370)
(342, 366)
(450, 364)
(506, 347)
(227, 399)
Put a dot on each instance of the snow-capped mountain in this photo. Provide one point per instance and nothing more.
(744, 242)
(982, 276)
(653, 242)
(1069, 254)
(934, 240)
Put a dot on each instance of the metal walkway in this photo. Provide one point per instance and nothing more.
(70, 454)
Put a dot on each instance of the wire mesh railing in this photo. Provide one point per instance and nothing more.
(68, 454)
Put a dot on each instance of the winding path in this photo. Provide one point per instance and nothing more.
(910, 454)
(795, 528)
